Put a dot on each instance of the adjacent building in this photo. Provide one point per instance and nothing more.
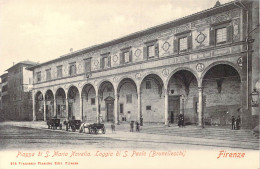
(16, 92)
(201, 66)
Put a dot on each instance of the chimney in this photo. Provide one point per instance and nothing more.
(71, 49)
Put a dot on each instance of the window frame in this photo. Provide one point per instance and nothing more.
(122, 55)
(102, 60)
(87, 60)
(38, 76)
(147, 84)
(213, 32)
(70, 72)
(148, 44)
(176, 44)
(48, 74)
(59, 68)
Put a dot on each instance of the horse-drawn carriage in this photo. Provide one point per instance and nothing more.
(54, 123)
(94, 128)
(72, 124)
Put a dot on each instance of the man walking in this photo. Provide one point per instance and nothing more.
(233, 123)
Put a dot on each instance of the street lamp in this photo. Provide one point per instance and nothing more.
(255, 98)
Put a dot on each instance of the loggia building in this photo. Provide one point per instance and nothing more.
(203, 66)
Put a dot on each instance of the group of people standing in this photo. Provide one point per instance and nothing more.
(236, 123)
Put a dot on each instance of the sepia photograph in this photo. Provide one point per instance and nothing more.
(132, 84)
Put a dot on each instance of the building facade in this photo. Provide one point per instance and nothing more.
(4, 96)
(199, 66)
(17, 93)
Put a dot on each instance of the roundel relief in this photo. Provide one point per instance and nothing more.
(115, 58)
(166, 46)
(240, 61)
(165, 72)
(200, 38)
(200, 67)
(96, 62)
(138, 76)
(137, 53)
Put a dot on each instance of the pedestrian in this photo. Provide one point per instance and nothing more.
(132, 126)
(238, 121)
(179, 120)
(137, 126)
(182, 120)
(233, 123)
(113, 127)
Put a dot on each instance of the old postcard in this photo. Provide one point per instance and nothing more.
(156, 84)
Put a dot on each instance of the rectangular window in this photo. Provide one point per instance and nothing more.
(121, 108)
(59, 71)
(93, 101)
(183, 43)
(126, 57)
(87, 65)
(73, 69)
(129, 98)
(148, 107)
(48, 74)
(221, 35)
(105, 62)
(151, 51)
(148, 85)
(38, 75)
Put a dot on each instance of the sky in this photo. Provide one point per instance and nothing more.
(42, 30)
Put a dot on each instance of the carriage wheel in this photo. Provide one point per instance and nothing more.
(104, 130)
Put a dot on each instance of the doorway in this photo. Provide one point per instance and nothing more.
(109, 109)
(173, 108)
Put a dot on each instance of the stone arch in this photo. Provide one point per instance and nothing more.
(222, 93)
(152, 102)
(103, 81)
(150, 73)
(182, 88)
(220, 63)
(179, 69)
(60, 96)
(49, 103)
(39, 105)
(124, 79)
(73, 96)
(71, 85)
(128, 99)
(87, 94)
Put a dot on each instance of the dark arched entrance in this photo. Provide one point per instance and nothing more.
(221, 95)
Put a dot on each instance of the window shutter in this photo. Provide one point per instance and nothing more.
(130, 56)
(121, 58)
(189, 42)
(175, 46)
(229, 33)
(109, 61)
(156, 49)
(145, 52)
(212, 39)
(101, 62)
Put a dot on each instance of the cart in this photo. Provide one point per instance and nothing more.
(96, 127)
(54, 123)
(73, 124)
